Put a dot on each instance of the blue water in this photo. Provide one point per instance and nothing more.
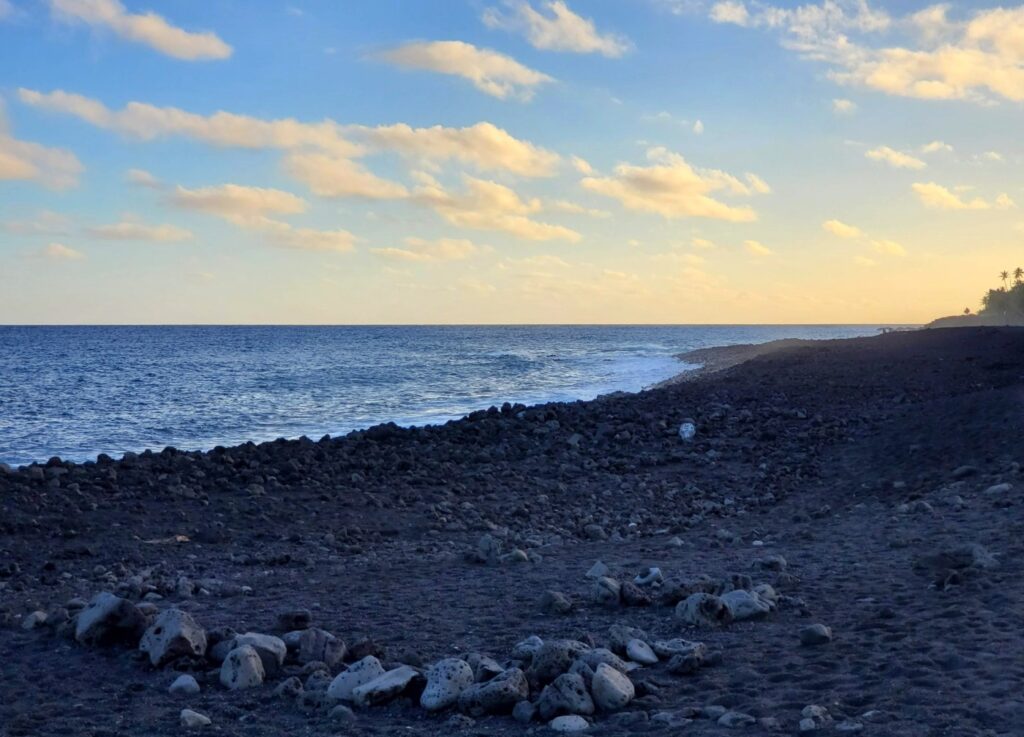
(75, 392)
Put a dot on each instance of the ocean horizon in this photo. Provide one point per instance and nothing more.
(77, 391)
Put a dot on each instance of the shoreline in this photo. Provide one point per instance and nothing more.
(826, 472)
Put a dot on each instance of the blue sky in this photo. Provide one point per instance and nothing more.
(506, 161)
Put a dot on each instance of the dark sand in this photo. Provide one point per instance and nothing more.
(845, 457)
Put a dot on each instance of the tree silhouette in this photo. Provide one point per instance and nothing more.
(1004, 275)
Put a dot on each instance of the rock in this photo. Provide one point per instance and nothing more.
(600, 655)
(962, 472)
(815, 634)
(848, 726)
(446, 680)
(598, 570)
(734, 719)
(341, 714)
(319, 645)
(554, 658)
(496, 696)
(484, 668)
(528, 648)
(611, 689)
(193, 719)
(385, 687)
(272, 650)
(33, 620)
(743, 605)
(649, 577)
(524, 712)
(999, 489)
(681, 665)
(567, 694)
(640, 652)
(298, 619)
(814, 717)
(555, 602)
(620, 634)
(242, 668)
(687, 430)
(174, 634)
(357, 674)
(633, 595)
(184, 684)
(606, 591)
(460, 721)
(289, 688)
(584, 671)
(488, 549)
(678, 646)
(595, 532)
(772, 563)
(109, 619)
(516, 555)
(703, 610)
(569, 723)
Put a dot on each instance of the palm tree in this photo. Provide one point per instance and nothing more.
(1018, 275)
(1004, 275)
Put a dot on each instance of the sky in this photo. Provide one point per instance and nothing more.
(507, 161)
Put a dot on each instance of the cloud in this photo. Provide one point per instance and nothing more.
(757, 248)
(60, 252)
(335, 176)
(46, 222)
(582, 165)
(894, 158)
(574, 208)
(484, 146)
(55, 168)
(757, 184)
(487, 205)
(935, 146)
(6, 9)
(703, 244)
(142, 178)
(865, 261)
(842, 106)
(698, 127)
(835, 227)
(145, 28)
(938, 197)
(889, 248)
(490, 72)
(673, 188)
(979, 58)
(558, 30)
(133, 231)
(417, 249)
(993, 156)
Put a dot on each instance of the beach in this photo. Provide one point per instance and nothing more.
(874, 485)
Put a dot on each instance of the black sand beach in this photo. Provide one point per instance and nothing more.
(875, 485)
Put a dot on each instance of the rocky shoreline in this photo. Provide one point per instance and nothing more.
(832, 551)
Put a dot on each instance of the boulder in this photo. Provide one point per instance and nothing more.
(242, 668)
(174, 634)
(317, 645)
(606, 591)
(600, 655)
(703, 610)
(567, 694)
(678, 646)
(496, 696)
(272, 650)
(184, 685)
(734, 719)
(297, 619)
(640, 652)
(357, 674)
(743, 605)
(555, 602)
(612, 689)
(620, 634)
(569, 723)
(553, 659)
(193, 719)
(815, 634)
(528, 648)
(446, 680)
(109, 619)
(386, 687)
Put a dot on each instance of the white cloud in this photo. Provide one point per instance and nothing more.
(558, 30)
(490, 72)
(134, 231)
(673, 188)
(978, 58)
(865, 261)
(46, 222)
(992, 156)
(443, 249)
(60, 252)
(237, 203)
(841, 229)
(889, 248)
(574, 208)
(698, 127)
(146, 28)
(484, 145)
(936, 146)
(55, 168)
(757, 184)
(938, 197)
(142, 178)
(6, 9)
(703, 244)
(730, 12)
(894, 158)
(582, 165)
(486, 205)
(842, 106)
(757, 248)
(336, 176)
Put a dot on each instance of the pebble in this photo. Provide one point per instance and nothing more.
(554, 658)
(271, 650)
(703, 610)
(598, 570)
(734, 719)
(743, 605)
(174, 634)
(446, 680)
(385, 687)
(242, 669)
(496, 696)
(555, 602)
(649, 576)
(33, 620)
(184, 684)
(342, 714)
(640, 652)
(612, 690)
(607, 591)
(194, 720)
(569, 723)
(317, 645)
(528, 648)
(109, 618)
(567, 694)
(815, 634)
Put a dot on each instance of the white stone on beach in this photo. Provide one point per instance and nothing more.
(271, 649)
(446, 680)
(174, 634)
(242, 669)
(384, 687)
(193, 719)
(184, 684)
(569, 723)
(356, 675)
(611, 689)
(640, 652)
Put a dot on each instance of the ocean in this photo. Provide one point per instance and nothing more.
(75, 392)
